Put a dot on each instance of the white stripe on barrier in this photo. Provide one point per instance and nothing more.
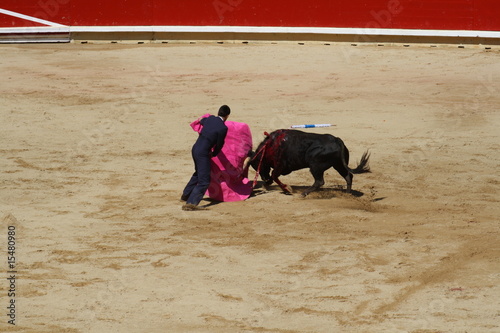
(292, 30)
(29, 18)
(248, 29)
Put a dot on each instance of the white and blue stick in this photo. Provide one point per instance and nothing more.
(311, 126)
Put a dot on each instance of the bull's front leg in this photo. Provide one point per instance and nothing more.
(287, 189)
(266, 177)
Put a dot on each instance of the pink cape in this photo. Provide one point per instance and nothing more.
(227, 183)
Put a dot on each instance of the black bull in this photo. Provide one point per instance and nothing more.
(285, 151)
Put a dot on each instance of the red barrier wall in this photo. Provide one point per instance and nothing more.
(395, 14)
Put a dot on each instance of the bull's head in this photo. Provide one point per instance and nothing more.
(255, 160)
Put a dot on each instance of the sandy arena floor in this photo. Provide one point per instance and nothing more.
(95, 150)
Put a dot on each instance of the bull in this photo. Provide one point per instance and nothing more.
(285, 151)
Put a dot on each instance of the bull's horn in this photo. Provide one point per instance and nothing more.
(246, 162)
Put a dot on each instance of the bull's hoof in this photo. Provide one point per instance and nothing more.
(288, 189)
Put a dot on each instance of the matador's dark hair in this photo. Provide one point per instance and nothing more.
(224, 111)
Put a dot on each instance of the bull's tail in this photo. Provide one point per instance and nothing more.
(363, 166)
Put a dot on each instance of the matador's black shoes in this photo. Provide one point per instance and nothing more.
(191, 207)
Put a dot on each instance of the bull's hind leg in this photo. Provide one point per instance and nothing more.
(348, 179)
(345, 172)
(348, 176)
(319, 180)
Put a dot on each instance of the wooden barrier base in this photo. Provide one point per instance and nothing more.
(275, 37)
